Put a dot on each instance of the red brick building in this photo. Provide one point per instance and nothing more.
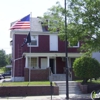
(47, 51)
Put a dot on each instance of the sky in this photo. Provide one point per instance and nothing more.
(11, 10)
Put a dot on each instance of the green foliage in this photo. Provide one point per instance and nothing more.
(54, 18)
(4, 69)
(1, 70)
(5, 59)
(83, 22)
(8, 59)
(2, 58)
(86, 68)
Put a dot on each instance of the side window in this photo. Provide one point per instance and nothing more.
(34, 41)
(73, 45)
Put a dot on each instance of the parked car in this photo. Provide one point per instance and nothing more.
(8, 73)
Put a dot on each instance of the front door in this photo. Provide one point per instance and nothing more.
(52, 63)
(43, 63)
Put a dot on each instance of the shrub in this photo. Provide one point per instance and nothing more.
(86, 68)
(4, 69)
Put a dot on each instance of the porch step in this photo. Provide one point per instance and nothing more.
(72, 86)
(58, 77)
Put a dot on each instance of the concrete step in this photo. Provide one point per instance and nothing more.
(70, 88)
(58, 77)
(73, 87)
(70, 92)
(70, 83)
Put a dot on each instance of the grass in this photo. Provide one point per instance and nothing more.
(35, 83)
(96, 81)
(1, 70)
(93, 81)
(78, 80)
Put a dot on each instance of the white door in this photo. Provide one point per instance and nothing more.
(43, 63)
(53, 43)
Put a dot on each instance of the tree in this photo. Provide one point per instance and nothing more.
(83, 22)
(2, 58)
(86, 68)
(8, 59)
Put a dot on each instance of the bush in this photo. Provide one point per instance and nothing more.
(86, 68)
(4, 69)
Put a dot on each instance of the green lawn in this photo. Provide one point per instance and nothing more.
(35, 83)
(96, 81)
(93, 81)
(4, 69)
(1, 71)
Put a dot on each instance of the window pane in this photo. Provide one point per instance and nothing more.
(33, 62)
(34, 42)
(74, 44)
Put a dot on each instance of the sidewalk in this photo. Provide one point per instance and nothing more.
(56, 97)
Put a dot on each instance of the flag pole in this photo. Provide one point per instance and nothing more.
(30, 48)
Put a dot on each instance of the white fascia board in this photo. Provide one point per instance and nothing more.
(52, 54)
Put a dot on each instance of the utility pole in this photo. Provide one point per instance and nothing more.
(66, 50)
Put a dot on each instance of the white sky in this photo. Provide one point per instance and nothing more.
(11, 10)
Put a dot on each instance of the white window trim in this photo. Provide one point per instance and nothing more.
(74, 46)
(34, 45)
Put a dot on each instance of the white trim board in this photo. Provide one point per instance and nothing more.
(52, 54)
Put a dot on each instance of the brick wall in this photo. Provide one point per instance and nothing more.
(36, 74)
(28, 90)
(88, 88)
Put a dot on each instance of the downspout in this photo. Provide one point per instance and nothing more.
(14, 66)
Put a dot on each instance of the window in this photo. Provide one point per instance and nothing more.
(74, 44)
(49, 25)
(34, 41)
(33, 62)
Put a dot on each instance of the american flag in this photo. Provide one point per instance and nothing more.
(23, 23)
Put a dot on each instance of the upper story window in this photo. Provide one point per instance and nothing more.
(34, 41)
(74, 44)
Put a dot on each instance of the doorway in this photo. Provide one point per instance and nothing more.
(43, 63)
(52, 65)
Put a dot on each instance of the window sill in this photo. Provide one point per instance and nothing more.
(32, 46)
(73, 47)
